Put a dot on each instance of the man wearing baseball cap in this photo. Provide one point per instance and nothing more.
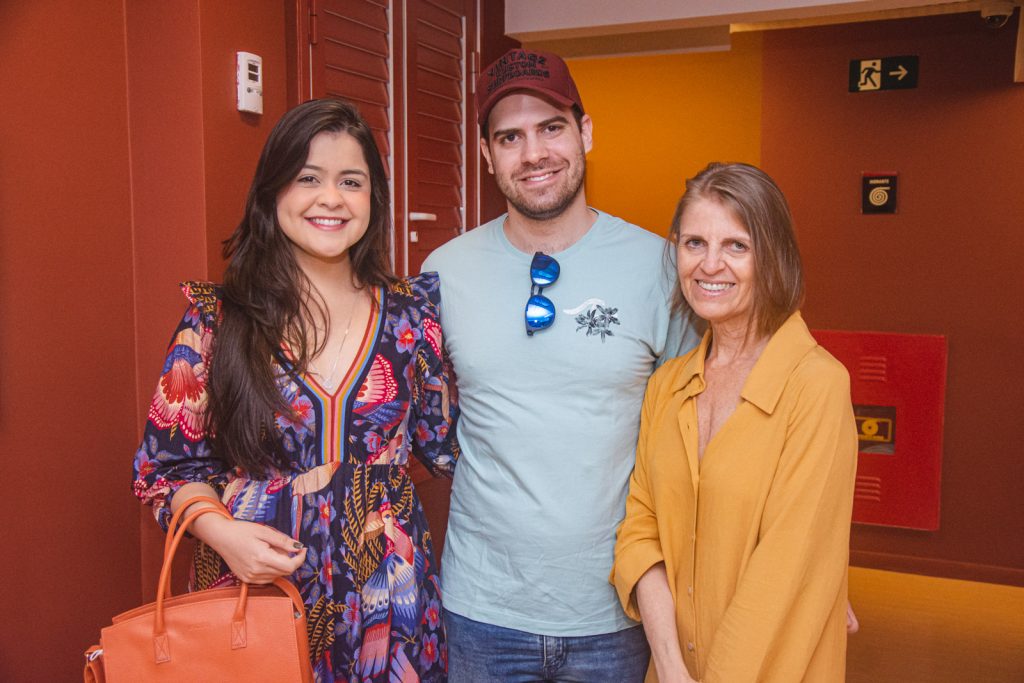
(554, 314)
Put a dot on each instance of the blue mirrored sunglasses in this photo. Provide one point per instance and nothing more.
(540, 312)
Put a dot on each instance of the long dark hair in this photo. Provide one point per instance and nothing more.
(758, 203)
(268, 300)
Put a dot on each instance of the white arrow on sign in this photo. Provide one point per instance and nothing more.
(899, 73)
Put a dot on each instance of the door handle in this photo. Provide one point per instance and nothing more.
(420, 216)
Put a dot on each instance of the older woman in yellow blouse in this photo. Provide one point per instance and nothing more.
(734, 547)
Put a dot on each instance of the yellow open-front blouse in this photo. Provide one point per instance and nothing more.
(755, 537)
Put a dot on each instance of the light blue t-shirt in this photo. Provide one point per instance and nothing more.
(549, 423)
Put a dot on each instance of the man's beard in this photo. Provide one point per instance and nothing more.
(550, 206)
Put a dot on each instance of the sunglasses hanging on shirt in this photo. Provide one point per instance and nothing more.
(540, 311)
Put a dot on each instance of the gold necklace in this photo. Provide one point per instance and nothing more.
(328, 380)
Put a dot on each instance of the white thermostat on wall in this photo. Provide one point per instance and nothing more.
(250, 82)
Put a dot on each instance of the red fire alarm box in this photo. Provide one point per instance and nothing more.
(898, 382)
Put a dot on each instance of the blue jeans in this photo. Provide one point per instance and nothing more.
(482, 653)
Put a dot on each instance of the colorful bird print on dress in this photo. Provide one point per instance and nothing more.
(390, 596)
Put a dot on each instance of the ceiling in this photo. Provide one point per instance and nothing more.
(596, 28)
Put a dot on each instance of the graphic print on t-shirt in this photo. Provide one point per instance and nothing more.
(595, 317)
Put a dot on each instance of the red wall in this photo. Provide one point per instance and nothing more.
(948, 263)
(67, 395)
(165, 110)
(123, 166)
(232, 139)
(193, 155)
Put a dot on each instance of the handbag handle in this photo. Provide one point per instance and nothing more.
(174, 535)
(173, 525)
(170, 548)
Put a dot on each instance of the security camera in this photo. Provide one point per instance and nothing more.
(995, 13)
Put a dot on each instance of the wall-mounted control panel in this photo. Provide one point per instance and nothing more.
(250, 82)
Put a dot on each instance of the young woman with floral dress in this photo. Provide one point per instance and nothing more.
(296, 391)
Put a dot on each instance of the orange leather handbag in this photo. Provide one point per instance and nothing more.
(247, 632)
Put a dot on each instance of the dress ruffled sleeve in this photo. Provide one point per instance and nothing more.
(435, 410)
(174, 449)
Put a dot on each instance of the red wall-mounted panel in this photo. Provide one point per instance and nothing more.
(898, 382)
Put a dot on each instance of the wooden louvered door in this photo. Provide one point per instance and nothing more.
(406, 64)
(441, 155)
(349, 46)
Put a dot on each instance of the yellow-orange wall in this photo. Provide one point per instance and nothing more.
(659, 119)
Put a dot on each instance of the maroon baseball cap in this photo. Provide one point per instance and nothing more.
(544, 73)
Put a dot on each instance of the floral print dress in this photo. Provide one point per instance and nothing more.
(370, 580)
